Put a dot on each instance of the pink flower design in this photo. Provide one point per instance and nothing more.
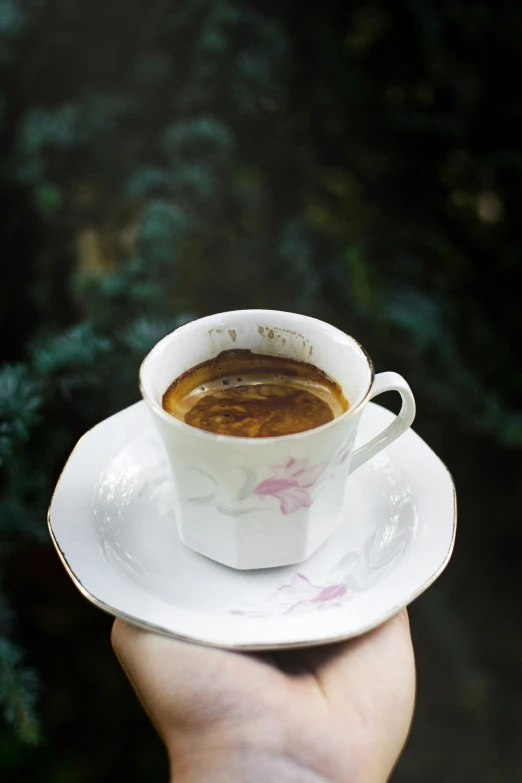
(297, 595)
(329, 593)
(299, 586)
(290, 484)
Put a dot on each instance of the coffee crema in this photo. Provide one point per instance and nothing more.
(250, 395)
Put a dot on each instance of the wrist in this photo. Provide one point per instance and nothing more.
(243, 766)
(219, 760)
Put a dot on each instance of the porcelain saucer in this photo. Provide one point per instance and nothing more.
(112, 524)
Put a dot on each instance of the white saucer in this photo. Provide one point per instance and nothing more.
(112, 524)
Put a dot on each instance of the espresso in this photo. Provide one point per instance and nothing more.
(252, 395)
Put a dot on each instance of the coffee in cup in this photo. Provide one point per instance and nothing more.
(252, 395)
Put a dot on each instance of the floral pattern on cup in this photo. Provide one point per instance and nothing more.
(294, 485)
(291, 484)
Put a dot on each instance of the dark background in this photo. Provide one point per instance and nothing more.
(361, 162)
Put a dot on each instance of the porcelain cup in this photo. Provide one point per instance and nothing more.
(264, 502)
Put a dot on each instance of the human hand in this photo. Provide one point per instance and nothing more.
(336, 714)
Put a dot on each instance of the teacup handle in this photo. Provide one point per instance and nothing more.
(387, 381)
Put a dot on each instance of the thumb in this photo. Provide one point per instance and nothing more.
(370, 681)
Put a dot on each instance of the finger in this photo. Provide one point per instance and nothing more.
(189, 685)
(166, 674)
(379, 662)
(390, 641)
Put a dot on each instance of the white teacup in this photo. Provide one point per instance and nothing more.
(263, 502)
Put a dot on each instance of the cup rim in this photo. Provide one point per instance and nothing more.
(231, 439)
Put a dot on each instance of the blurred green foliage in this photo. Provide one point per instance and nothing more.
(360, 162)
